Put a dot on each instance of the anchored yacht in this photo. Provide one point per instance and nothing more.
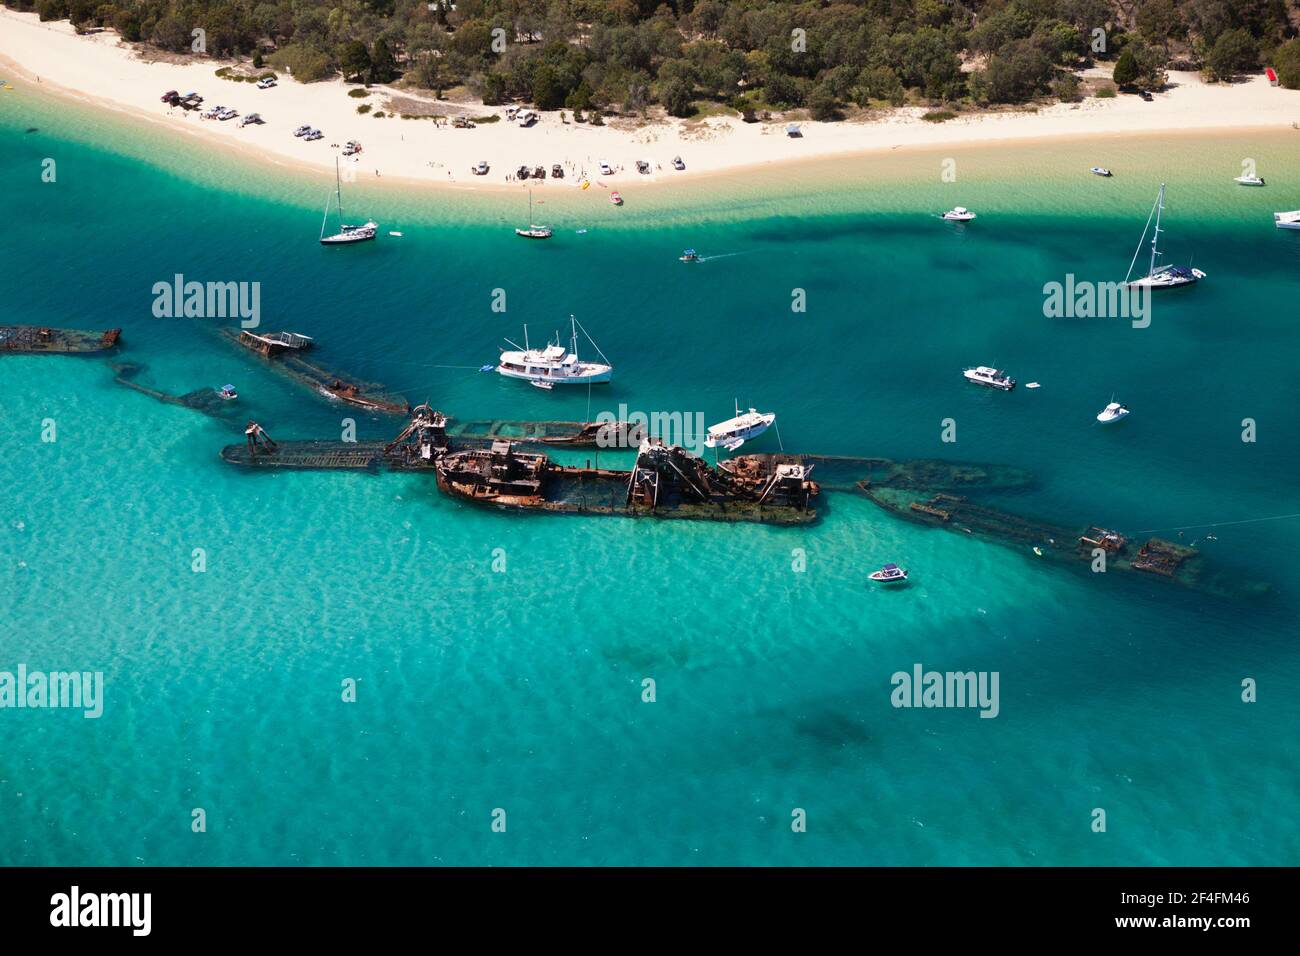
(554, 365)
(1112, 413)
(734, 432)
(991, 377)
(1160, 277)
(959, 214)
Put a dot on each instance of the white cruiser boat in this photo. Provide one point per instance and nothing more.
(1249, 181)
(991, 377)
(959, 214)
(1100, 171)
(346, 234)
(889, 574)
(1158, 276)
(1287, 220)
(1112, 413)
(554, 365)
(734, 432)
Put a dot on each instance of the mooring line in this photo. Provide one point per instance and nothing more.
(1220, 524)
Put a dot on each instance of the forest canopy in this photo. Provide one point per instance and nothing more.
(692, 55)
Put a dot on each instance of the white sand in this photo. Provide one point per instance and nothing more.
(104, 70)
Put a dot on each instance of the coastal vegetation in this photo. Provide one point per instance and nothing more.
(692, 57)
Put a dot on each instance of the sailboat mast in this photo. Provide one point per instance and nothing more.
(338, 188)
(1155, 237)
(573, 327)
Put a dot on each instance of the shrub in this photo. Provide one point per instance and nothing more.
(363, 108)
(939, 116)
(358, 93)
(1287, 63)
(1106, 93)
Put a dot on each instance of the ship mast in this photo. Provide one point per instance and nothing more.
(1155, 236)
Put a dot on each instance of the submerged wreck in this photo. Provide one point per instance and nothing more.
(36, 340)
(283, 350)
(669, 482)
(1081, 547)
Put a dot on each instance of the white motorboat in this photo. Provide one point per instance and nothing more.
(959, 214)
(990, 377)
(1249, 181)
(346, 234)
(1287, 220)
(1158, 276)
(734, 432)
(1100, 171)
(1112, 413)
(554, 365)
(889, 574)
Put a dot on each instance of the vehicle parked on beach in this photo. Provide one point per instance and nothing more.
(302, 131)
(557, 171)
(172, 97)
(251, 119)
(606, 169)
(678, 164)
(266, 82)
(480, 168)
(313, 135)
(642, 167)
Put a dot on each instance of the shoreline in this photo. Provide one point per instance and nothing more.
(68, 66)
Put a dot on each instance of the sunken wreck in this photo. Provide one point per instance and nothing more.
(41, 340)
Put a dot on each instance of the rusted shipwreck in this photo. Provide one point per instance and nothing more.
(283, 350)
(664, 481)
(39, 339)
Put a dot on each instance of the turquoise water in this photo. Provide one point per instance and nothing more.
(522, 690)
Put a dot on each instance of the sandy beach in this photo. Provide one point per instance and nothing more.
(102, 70)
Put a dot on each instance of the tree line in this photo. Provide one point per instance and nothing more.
(697, 56)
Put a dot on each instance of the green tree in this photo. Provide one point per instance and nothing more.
(1126, 69)
(676, 97)
(383, 68)
(1233, 52)
(354, 59)
(1287, 63)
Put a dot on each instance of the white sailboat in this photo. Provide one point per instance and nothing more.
(554, 365)
(1159, 277)
(734, 432)
(346, 234)
(533, 231)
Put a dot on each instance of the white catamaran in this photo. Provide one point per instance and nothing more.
(1159, 277)
(346, 234)
(554, 365)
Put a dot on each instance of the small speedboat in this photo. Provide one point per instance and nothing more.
(690, 255)
(1100, 171)
(1112, 413)
(959, 214)
(228, 392)
(542, 384)
(1248, 181)
(616, 198)
(991, 377)
(889, 574)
